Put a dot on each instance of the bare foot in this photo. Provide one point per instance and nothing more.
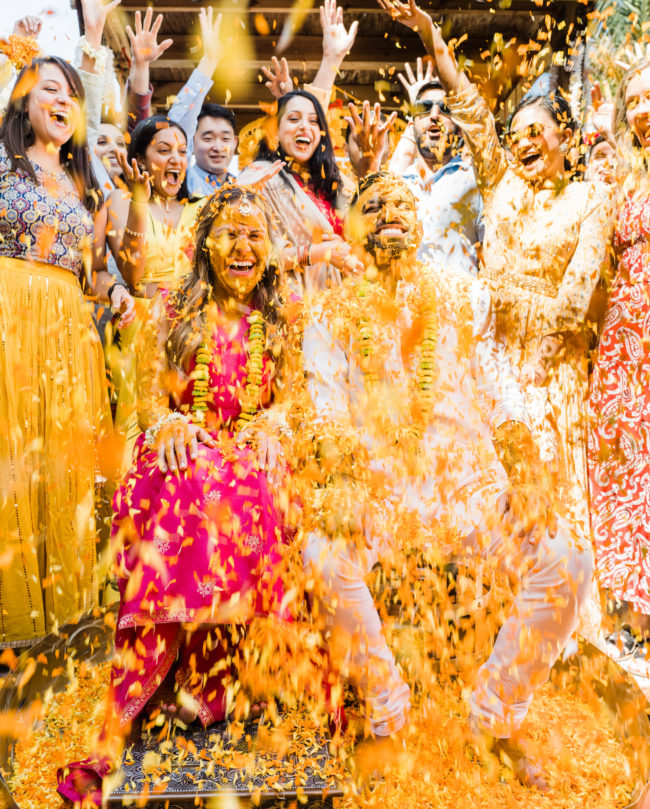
(513, 753)
(186, 715)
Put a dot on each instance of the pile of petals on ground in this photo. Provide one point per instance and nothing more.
(587, 766)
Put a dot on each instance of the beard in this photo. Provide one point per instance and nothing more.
(392, 248)
(446, 146)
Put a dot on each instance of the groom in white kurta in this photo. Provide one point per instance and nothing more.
(458, 490)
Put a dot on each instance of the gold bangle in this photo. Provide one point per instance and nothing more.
(134, 233)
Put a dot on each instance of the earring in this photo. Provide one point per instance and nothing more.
(28, 126)
(564, 148)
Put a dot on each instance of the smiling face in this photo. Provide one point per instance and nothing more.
(535, 140)
(52, 106)
(388, 223)
(435, 133)
(166, 160)
(110, 141)
(601, 163)
(214, 145)
(637, 106)
(299, 131)
(239, 247)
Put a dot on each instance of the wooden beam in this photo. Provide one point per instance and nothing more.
(359, 7)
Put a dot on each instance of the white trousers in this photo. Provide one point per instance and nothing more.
(552, 575)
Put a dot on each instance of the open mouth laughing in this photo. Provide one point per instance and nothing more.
(391, 230)
(242, 268)
(60, 118)
(531, 159)
(303, 142)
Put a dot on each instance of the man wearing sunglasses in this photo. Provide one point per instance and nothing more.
(429, 158)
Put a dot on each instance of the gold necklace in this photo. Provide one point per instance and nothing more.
(162, 201)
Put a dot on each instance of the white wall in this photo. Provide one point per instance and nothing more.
(60, 30)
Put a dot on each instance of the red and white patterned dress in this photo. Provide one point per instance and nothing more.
(619, 439)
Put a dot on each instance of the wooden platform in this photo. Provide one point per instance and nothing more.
(252, 764)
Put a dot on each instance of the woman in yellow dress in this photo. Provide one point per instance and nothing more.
(545, 248)
(150, 231)
(54, 413)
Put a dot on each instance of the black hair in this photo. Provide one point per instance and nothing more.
(18, 137)
(191, 297)
(434, 84)
(142, 136)
(554, 103)
(210, 110)
(324, 173)
(375, 177)
(559, 109)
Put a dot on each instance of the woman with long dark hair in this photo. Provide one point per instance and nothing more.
(150, 231)
(304, 195)
(53, 397)
(544, 251)
(200, 518)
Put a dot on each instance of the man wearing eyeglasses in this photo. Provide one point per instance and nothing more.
(429, 157)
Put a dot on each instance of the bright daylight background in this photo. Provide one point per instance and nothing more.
(60, 31)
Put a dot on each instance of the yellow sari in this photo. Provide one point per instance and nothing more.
(168, 261)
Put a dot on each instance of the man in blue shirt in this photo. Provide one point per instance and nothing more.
(214, 146)
(429, 157)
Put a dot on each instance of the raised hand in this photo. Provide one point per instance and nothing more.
(409, 14)
(370, 135)
(95, 13)
(337, 40)
(601, 113)
(413, 83)
(29, 26)
(279, 79)
(212, 50)
(145, 47)
(275, 168)
(136, 180)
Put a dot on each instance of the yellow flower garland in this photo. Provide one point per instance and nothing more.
(254, 366)
(427, 368)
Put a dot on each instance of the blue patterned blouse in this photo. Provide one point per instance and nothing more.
(45, 222)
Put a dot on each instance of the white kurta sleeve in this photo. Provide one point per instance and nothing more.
(499, 393)
(327, 369)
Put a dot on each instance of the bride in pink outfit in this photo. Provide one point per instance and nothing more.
(197, 520)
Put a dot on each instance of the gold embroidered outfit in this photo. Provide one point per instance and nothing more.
(543, 254)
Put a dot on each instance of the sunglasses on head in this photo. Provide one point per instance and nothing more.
(531, 132)
(425, 105)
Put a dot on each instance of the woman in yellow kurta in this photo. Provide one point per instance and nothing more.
(545, 247)
(54, 412)
(150, 231)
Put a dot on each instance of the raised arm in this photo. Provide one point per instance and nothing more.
(406, 152)
(468, 108)
(185, 110)
(127, 222)
(145, 49)
(370, 135)
(93, 62)
(337, 42)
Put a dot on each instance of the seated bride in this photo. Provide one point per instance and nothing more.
(201, 519)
